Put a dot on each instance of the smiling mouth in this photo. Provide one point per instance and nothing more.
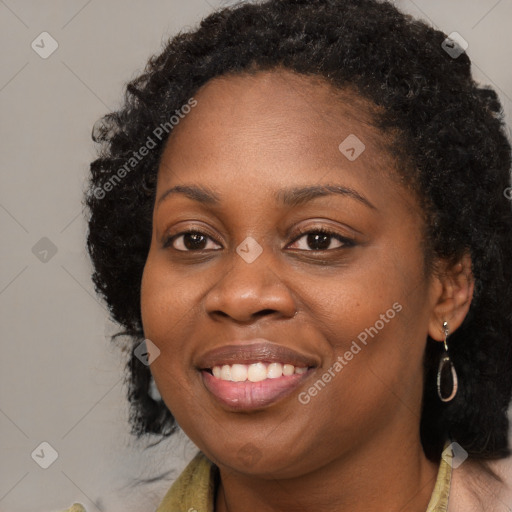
(246, 387)
(255, 372)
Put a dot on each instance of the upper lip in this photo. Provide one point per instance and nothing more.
(252, 351)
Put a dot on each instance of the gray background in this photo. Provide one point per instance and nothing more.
(61, 380)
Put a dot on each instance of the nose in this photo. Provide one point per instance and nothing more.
(248, 291)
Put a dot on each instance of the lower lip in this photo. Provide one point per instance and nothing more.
(252, 395)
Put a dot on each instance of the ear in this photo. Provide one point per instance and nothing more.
(453, 292)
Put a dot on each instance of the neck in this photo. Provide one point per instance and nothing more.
(395, 477)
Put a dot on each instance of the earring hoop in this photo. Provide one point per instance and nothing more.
(446, 361)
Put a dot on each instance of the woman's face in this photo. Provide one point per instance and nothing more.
(350, 310)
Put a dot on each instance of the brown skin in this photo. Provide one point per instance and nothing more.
(356, 445)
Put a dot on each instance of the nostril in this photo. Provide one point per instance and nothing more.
(265, 312)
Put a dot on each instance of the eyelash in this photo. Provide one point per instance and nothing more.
(347, 242)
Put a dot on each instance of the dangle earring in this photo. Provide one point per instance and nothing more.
(444, 365)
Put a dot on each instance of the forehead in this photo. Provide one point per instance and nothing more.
(275, 127)
(279, 97)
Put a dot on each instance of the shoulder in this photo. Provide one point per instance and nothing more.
(76, 507)
(475, 489)
(194, 489)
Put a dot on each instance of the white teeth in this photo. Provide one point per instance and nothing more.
(255, 372)
(274, 370)
(288, 369)
(225, 372)
(239, 372)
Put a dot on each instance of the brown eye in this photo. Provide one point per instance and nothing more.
(188, 241)
(322, 240)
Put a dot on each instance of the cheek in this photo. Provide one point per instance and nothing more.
(154, 301)
(375, 320)
(169, 304)
(162, 308)
(355, 302)
(166, 297)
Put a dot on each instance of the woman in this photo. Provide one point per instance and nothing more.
(302, 209)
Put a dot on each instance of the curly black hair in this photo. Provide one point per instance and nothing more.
(452, 149)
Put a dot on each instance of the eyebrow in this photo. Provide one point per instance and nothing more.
(288, 197)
